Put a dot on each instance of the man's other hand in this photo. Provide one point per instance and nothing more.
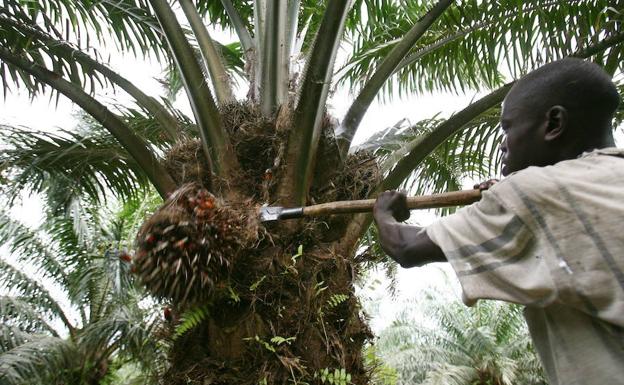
(392, 203)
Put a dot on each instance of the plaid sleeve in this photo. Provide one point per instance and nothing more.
(493, 253)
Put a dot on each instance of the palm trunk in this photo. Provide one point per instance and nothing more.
(294, 318)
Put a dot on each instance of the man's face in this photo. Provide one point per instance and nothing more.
(522, 144)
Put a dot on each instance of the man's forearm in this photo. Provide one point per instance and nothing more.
(391, 238)
(408, 245)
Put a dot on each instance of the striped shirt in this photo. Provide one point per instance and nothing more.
(552, 239)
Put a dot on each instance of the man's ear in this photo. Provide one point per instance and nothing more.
(557, 117)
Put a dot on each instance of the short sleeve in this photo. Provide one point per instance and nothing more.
(493, 253)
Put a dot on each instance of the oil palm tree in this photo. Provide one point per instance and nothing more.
(279, 304)
(71, 314)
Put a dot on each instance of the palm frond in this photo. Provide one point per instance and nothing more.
(69, 164)
(471, 153)
(40, 360)
(455, 344)
(23, 315)
(134, 212)
(231, 53)
(30, 291)
(11, 336)
(217, 13)
(124, 330)
(473, 43)
(127, 24)
(212, 59)
(28, 246)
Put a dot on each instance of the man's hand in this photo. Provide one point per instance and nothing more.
(391, 203)
(486, 185)
(408, 245)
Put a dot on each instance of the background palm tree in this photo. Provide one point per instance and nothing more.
(278, 299)
(74, 315)
(439, 341)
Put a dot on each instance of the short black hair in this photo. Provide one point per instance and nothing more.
(582, 87)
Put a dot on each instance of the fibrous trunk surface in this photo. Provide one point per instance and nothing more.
(253, 303)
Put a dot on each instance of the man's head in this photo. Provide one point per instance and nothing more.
(555, 113)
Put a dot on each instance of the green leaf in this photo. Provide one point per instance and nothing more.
(190, 319)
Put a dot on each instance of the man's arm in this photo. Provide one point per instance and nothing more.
(408, 245)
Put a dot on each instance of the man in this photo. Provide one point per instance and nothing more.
(550, 236)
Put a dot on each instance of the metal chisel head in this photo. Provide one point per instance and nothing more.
(276, 213)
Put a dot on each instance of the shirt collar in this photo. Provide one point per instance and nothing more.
(604, 151)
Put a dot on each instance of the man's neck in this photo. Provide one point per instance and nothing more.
(604, 142)
(574, 150)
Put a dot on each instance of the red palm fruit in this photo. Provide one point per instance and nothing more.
(208, 204)
(180, 244)
(167, 314)
(133, 269)
(125, 257)
(150, 238)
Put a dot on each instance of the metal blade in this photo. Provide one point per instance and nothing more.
(270, 214)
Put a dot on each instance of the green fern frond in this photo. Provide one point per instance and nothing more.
(189, 320)
(336, 299)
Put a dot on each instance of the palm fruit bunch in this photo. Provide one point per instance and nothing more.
(187, 247)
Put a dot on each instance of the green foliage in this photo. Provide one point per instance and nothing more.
(477, 44)
(381, 373)
(127, 24)
(189, 320)
(30, 361)
(45, 340)
(71, 166)
(445, 342)
(472, 153)
(335, 377)
(273, 344)
(336, 299)
(255, 285)
(232, 55)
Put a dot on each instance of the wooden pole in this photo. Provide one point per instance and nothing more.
(450, 199)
